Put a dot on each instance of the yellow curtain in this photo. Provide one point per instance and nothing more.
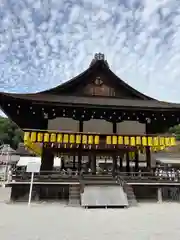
(150, 141)
(108, 140)
(46, 137)
(40, 137)
(53, 137)
(33, 137)
(114, 140)
(167, 142)
(173, 141)
(59, 138)
(26, 136)
(138, 140)
(65, 138)
(161, 140)
(78, 139)
(120, 140)
(72, 138)
(132, 141)
(156, 143)
(90, 139)
(126, 140)
(84, 139)
(144, 141)
(96, 139)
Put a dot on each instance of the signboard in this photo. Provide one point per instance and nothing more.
(33, 167)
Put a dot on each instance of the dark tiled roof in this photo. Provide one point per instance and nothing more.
(60, 94)
(101, 101)
(82, 77)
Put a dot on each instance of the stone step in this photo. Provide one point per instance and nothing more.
(128, 190)
(130, 195)
(103, 196)
(74, 195)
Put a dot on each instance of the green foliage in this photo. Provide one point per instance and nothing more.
(175, 130)
(10, 133)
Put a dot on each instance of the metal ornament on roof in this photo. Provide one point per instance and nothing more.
(99, 57)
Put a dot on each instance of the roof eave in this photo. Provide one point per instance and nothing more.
(90, 102)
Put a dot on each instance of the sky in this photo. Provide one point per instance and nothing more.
(46, 42)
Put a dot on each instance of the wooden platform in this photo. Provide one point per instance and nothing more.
(78, 183)
(57, 178)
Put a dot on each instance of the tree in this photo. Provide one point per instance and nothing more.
(10, 133)
(175, 130)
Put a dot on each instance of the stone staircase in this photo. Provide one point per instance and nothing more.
(130, 195)
(132, 201)
(105, 179)
(74, 195)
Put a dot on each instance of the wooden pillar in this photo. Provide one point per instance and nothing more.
(114, 168)
(127, 162)
(120, 163)
(80, 148)
(74, 162)
(148, 158)
(89, 161)
(79, 160)
(114, 156)
(93, 163)
(47, 160)
(136, 161)
(47, 157)
(148, 150)
(62, 163)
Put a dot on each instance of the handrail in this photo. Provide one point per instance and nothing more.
(91, 174)
(123, 176)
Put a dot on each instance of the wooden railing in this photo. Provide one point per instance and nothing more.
(45, 176)
(55, 176)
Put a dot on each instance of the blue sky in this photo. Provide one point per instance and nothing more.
(44, 43)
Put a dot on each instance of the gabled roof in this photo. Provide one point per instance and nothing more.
(64, 95)
(98, 63)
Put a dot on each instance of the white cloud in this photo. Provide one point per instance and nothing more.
(44, 43)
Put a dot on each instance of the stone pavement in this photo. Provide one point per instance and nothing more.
(148, 221)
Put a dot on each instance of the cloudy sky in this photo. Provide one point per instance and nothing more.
(46, 42)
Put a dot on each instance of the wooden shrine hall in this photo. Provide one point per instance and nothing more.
(95, 114)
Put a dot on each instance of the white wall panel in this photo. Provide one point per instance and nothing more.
(98, 126)
(63, 124)
(131, 127)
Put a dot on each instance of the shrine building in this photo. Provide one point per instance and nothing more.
(94, 115)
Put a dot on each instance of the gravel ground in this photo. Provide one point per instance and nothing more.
(55, 221)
